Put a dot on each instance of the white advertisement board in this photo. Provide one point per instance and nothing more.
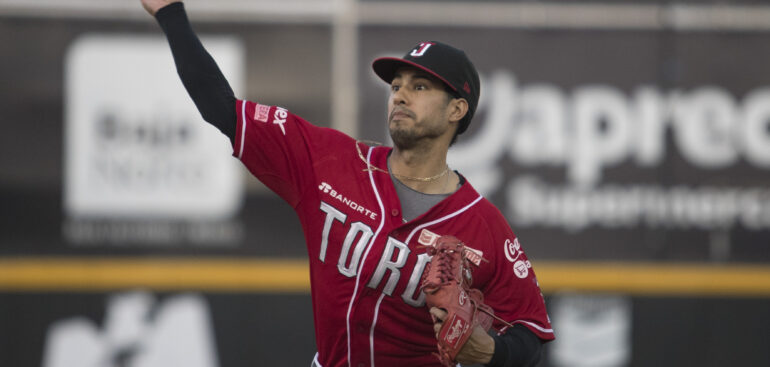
(135, 145)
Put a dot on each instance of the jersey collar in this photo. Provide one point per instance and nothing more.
(457, 201)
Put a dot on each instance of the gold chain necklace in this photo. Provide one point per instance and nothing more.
(422, 179)
(370, 167)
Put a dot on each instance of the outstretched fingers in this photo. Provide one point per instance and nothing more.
(438, 315)
(152, 6)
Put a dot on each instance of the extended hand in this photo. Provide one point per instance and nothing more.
(152, 6)
(478, 349)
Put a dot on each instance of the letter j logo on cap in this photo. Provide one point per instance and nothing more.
(420, 50)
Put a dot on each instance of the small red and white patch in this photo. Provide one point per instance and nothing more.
(261, 113)
(463, 297)
(427, 238)
(473, 255)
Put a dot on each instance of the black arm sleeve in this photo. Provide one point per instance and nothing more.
(516, 347)
(200, 74)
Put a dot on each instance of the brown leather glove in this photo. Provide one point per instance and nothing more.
(446, 283)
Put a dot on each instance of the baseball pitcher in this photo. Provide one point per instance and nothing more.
(409, 265)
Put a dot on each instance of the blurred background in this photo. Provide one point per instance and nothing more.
(627, 142)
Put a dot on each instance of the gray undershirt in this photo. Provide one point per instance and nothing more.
(413, 202)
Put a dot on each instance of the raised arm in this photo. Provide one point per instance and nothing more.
(200, 74)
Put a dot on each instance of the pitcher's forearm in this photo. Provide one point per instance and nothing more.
(200, 74)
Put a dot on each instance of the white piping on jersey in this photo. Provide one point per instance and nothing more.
(536, 326)
(243, 128)
(374, 323)
(379, 301)
(315, 362)
(366, 253)
(421, 226)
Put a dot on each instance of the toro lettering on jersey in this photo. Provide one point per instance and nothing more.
(351, 251)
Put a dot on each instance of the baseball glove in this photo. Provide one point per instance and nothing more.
(446, 283)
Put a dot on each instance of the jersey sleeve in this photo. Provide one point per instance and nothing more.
(278, 147)
(512, 290)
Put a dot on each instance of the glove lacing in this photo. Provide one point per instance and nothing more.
(446, 272)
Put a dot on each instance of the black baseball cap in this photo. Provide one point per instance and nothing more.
(450, 65)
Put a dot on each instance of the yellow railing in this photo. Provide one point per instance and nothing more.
(291, 275)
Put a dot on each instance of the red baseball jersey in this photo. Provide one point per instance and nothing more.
(365, 262)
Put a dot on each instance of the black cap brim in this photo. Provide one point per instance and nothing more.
(386, 67)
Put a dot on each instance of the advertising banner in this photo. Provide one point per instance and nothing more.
(135, 145)
(635, 145)
(142, 328)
